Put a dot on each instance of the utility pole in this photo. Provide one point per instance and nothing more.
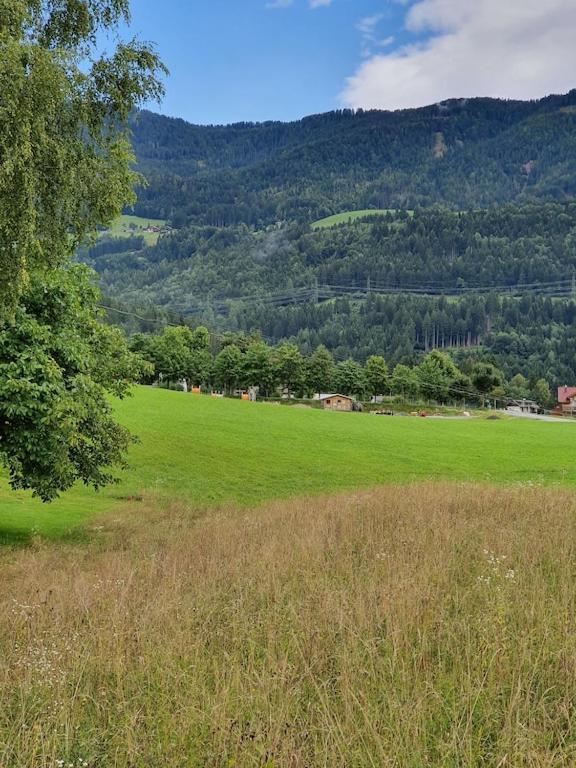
(315, 290)
(368, 285)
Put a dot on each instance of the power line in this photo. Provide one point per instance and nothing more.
(134, 314)
(315, 292)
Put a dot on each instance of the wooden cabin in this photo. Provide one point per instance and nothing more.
(337, 402)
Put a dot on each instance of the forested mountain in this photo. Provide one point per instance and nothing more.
(477, 231)
(199, 266)
(461, 153)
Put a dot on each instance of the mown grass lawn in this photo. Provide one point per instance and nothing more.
(207, 451)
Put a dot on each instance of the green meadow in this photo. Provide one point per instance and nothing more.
(207, 451)
(350, 216)
(233, 609)
(127, 226)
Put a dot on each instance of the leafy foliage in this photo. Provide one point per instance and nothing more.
(376, 374)
(58, 364)
(236, 361)
(64, 172)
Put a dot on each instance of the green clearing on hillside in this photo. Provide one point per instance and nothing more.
(349, 217)
(210, 451)
(128, 226)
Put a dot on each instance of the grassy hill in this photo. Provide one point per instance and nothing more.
(346, 218)
(205, 451)
(129, 226)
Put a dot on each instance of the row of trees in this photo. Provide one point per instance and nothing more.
(533, 335)
(238, 280)
(235, 362)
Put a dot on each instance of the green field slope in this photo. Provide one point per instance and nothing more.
(347, 218)
(209, 451)
(128, 226)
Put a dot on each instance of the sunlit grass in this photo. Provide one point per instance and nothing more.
(129, 226)
(425, 625)
(207, 451)
(351, 216)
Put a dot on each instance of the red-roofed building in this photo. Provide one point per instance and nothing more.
(567, 399)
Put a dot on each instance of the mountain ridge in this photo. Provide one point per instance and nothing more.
(493, 152)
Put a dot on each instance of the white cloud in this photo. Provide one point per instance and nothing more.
(279, 3)
(507, 48)
(368, 24)
(320, 3)
(367, 27)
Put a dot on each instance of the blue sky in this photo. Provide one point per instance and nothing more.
(233, 60)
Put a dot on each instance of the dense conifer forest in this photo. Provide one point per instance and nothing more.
(463, 154)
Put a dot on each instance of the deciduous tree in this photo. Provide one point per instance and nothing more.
(58, 366)
(438, 376)
(541, 392)
(320, 370)
(405, 383)
(258, 367)
(289, 366)
(376, 372)
(64, 171)
(227, 370)
(349, 378)
(486, 377)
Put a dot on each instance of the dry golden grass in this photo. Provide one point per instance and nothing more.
(431, 625)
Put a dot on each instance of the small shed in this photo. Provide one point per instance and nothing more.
(523, 406)
(337, 402)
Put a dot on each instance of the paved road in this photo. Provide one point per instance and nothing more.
(539, 417)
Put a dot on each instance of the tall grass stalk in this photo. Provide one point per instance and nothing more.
(429, 625)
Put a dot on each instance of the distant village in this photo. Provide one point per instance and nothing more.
(565, 406)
